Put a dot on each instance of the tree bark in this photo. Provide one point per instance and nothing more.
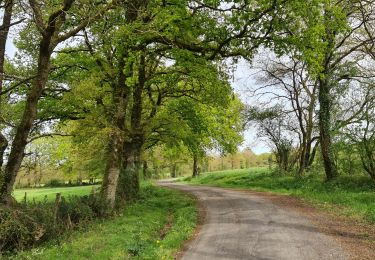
(116, 143)
(195, 166)
(130, 174)
(174, 170)
(3, 147)
(112, 171)
(325, 129)
(145, 170)
(302, 158)
(134, 168)
(7, 17)
(313, 153)
(129, 184)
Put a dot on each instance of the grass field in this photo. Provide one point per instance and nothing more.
(40, 194)
(349, 195)
(155, 227)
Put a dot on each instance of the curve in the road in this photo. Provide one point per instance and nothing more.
(240, 225)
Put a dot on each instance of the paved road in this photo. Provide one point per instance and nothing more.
(240, 225)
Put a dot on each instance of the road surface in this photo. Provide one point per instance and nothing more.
(240, 225)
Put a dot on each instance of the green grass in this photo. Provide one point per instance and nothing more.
(40, 194)
(349, 195)
(133, 234)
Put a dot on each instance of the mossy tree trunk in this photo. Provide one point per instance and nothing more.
(116, 142)
(325, 101)
(132, 167)
(129, 183)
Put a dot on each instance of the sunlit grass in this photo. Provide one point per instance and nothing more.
(39, 194)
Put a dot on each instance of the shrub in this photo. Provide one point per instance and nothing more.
(74, 211)
(101, 208)
(19, 229)
(27, 225)
(53, 183)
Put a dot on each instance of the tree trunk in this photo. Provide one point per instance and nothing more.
(23, 129)
(174, 170)
(129, 184)
(145, 170)
(305, 154)
(313, 153)
(112, 172)
(302, 158)
(7, 17)
(325, 129)
(3, 147)
(134, 169)
(116, 143)
(195, 166)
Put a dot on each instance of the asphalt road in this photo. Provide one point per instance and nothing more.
(240, 225)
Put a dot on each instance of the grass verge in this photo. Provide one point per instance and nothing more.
(154, 227)
(349, 195)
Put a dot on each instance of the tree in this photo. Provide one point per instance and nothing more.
(205, 127)
(271, 124)
(327, 38)
(357, 129)
(287, 79)
(56, 29)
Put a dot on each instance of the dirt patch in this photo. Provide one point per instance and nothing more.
(356, 236)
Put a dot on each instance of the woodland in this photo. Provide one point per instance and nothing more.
(114, 89)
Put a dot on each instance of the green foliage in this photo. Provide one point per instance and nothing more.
(53, 183)
(18, 229)
(202, 127)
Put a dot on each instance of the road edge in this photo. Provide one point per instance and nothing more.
(201, 218)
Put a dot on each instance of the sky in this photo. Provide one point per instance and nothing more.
(244, 79)
(241, 81)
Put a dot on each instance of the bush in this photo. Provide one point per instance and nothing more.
(27, 225)
(54, 183)
(74, 211)
(17, 229)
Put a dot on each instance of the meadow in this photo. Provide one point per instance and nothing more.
(40, 194)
